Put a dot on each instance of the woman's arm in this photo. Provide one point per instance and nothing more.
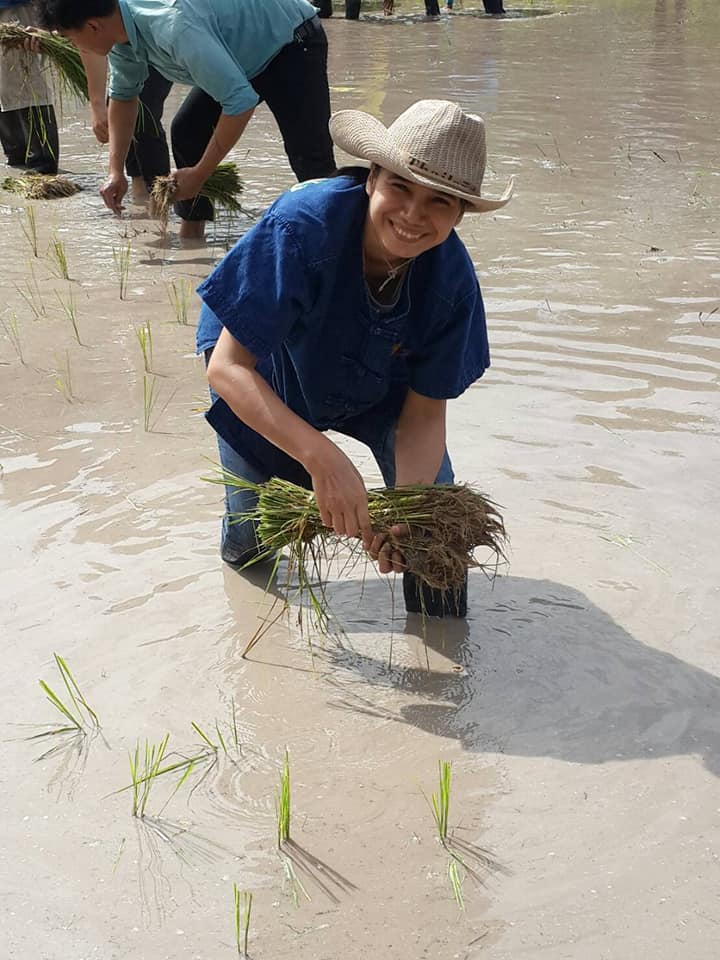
(419, 450)
(419, 439)
(339, 488)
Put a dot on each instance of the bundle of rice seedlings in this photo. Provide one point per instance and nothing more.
(442, 525)
(38, 186)
(222, 188)
(62, 54)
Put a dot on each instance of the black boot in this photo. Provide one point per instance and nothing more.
(352, 9)
(12, 136)
(419, 598)
(494, 7)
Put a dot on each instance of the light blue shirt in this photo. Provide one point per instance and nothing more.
(217, 45)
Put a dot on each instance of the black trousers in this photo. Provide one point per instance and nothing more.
(149, 156)
(295, 87)
(30, 138)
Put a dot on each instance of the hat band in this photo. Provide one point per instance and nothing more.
(414, 163)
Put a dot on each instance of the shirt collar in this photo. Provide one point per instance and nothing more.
(128, 24)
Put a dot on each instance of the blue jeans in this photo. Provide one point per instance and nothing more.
(239, 543)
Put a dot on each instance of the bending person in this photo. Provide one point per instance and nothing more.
(234, 53)
(352, 305)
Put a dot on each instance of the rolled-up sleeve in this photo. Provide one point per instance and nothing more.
(260, 290)
(127, 74)
(455, 354)
(214, 70)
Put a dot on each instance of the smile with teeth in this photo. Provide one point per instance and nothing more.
(405, 235)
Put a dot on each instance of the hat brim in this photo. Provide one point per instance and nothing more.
(363, 136)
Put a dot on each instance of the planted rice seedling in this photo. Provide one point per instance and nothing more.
(144, 338)
(282, 803)
(29, 228)
(243, 907)
(63, 377)
(58, 257)
(121, 259)
(440, 801)
(146, 766)
(180, 293)
(12, 332)
(151, 395)
(78, 717)
(70, 310)
(31, 294)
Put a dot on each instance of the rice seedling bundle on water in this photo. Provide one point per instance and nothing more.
(38, 186)
(442, 525)
(222, 188)
(62, 54)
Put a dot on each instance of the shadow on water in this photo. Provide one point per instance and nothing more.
(543, 673)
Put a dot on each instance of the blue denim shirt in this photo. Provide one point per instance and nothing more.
(216, 45)
(292, 291)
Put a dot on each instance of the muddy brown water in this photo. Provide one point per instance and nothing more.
(578, 704)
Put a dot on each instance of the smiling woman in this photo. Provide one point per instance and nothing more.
(352, 305)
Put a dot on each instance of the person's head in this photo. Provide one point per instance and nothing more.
(94, 25)
(406, 217)
(426, 171)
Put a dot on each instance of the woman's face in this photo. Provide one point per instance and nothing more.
(407, 219)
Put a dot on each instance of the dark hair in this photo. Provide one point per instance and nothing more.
(361, 174)
(355, 172)
(73, 14)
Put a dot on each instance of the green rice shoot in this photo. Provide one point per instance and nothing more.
(243, 908)
(282, 803)
(147, 765)
(29, 228)
(58, 257)
(144, 338)
(63, 55)
(180, 294)
(70, 310)
(121, 259)
(440, 801)
(63, 377)
(78, 717)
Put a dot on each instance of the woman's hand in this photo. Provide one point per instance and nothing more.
(388, 558)
(341, 496)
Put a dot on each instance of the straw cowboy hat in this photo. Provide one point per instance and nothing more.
(433, 143)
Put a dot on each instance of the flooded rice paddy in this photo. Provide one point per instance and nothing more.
(578, 703)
